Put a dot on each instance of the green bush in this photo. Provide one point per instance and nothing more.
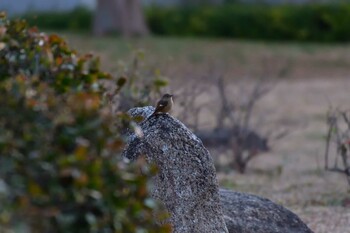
(60, 165)
(79, 19)
(314, 22)
(321, 23)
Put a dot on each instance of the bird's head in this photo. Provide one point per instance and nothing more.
(167, 96)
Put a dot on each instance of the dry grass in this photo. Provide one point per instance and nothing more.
(315, 76)
(292, 174)
(191, 58)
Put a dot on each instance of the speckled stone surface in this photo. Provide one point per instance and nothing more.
(246, 213)
(186, 182)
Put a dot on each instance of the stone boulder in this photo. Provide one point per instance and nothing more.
(247, 213)
(186, 180)
(187, 186)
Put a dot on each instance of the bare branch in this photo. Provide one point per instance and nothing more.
(233, 129)
(187, 99)
(341, 135)
(227, 109)
(346, 119)
(334, 169)
(258, 92)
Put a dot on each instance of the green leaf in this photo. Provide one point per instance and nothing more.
(160, 82)
(121, 82)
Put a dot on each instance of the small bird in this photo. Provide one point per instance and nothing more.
(164, 105)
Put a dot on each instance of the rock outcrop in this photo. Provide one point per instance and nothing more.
(186, 183)
(246, 213)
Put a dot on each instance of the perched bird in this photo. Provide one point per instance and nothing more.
(164, 105)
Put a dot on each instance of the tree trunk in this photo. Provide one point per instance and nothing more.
(122, 16)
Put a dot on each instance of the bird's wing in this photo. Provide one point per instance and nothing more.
(161, 104)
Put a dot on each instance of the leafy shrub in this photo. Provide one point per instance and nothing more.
(79, 19)
(60, 169)
(323, 23)
(314, 22)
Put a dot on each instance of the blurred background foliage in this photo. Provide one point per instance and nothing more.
(307, 22)
(61, 118)
(60, 141)
(79, 19)
(324, 23)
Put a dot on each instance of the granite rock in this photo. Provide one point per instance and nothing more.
(187, 186)
(247, 213)
(186, 180)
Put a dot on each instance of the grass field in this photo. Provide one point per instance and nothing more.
(310, 78)
(193, 57)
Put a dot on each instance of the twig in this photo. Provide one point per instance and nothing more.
(342, 140)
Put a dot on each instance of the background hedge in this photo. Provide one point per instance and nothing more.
(79, 19)
(322, 23)
(314, 22)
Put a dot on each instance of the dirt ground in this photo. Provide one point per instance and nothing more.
(292, 173)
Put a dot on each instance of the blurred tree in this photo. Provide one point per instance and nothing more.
(121, 16)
